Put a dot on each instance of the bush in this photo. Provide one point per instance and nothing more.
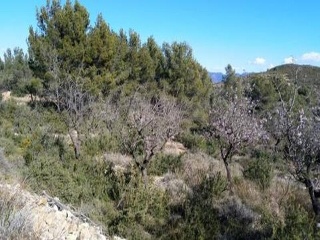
(205, 215)
(196, 217)
(8, 109)
(215, 184)
(192, 141)
(195, 142)
(34, 87)
(8, 146)
(164, 163)
(260, 170)
(298, 224)
(143, 211)
(238, 221)
(14, 218)
(100, 144)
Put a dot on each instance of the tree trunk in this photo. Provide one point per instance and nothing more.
(314, 196)
(75, 141)
(143, 169)
(226, 155)
(144, 176)
(226, 164)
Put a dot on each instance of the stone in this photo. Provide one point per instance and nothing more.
(48, 222)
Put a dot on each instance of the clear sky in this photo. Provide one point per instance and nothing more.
(251, 35)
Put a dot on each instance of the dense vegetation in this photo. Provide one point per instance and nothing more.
(104, 107)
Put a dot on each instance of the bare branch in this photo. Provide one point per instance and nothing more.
(233, 124)
(147, 125)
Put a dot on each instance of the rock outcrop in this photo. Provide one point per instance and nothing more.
(44, 217)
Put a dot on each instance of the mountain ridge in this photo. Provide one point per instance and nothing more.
(307, 75)
(216, 77)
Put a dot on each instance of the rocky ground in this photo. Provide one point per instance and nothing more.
(29, 216)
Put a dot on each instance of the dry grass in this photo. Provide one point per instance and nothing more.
(14, 216)
(6, 96)
(6, 168)
(249, 192)
(196, 166)
(274, 199)
(120, 162)
(174, 148)
(176, 188)
(27, 216)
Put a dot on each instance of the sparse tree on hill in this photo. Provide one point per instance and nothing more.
(147, 124)
(58, 57)
(233, 124)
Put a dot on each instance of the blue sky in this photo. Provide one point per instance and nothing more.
(251, 35)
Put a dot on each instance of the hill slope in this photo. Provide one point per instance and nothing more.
(303, 74)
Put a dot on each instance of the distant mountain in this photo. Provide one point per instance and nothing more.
(216, 77)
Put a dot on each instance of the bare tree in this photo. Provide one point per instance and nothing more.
(77, 105)
(147, 124)
(233, 124)
(66, 89)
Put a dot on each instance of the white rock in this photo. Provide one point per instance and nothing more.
(47, 222)
(72, 237)
(118, 238)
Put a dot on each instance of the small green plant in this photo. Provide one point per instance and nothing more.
(213, 186)
(260, 170)
(100, 144)
(299, 224)
(195, 142)
(164, 163)
(142, 210)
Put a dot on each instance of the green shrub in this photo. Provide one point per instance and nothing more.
(164, 163)
(34, 87)
(195, 142)
(100, 144)
(19, 90)
(191, 141)
(8, 145)
(215, 185)
(197, 217)
(8, 109)
(208, 213)
(260, 170)
(298, 224)
(143, 211)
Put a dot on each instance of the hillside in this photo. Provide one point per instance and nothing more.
(140, 142)
(41, 217)
(303, 74)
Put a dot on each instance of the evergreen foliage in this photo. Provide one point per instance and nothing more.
(96, 92)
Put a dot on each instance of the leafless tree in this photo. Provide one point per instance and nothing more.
(54, 76)
(66, 89)
(147, 124)
(233, 124)
(77, 106)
